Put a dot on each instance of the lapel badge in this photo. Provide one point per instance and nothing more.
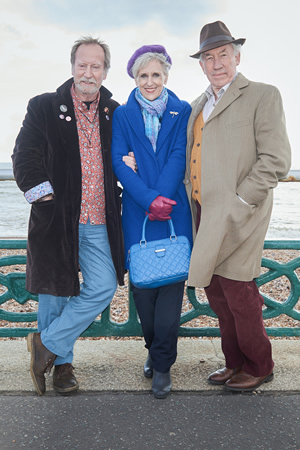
(106, 110)
(68, 119)
(63, 108)
(174, 113)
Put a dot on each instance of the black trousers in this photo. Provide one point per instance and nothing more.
(159, 310)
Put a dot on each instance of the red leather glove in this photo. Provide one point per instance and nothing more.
(161, 208)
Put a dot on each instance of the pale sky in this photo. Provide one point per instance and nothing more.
(37, 36)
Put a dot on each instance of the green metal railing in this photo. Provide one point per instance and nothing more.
(14, 282)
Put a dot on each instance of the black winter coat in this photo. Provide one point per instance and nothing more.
(47, 149)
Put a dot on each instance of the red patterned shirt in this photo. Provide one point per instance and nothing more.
(88, 128)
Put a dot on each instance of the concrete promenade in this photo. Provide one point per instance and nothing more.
(117, 366)
(115, 410)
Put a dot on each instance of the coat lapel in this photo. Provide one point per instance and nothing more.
(135, 119)
(170, 118)
(66, 124)
(197, 107)
(105, 118)
(232, 93)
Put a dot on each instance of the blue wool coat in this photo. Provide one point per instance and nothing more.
(159, 173)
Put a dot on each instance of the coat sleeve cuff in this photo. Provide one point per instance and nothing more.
(38, 192)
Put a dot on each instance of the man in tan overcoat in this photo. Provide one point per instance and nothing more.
(237, 150)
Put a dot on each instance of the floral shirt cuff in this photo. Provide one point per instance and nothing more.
(38, 192)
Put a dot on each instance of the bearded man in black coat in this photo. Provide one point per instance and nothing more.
(62, 163)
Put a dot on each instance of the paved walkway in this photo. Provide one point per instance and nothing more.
(117, 366)
(131, 421)
(115, 410)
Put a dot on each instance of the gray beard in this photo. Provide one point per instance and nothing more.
(87, 91)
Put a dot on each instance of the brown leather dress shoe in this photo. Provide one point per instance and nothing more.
(244, 382)
(64, 380)
(222, 375)
(41, 361)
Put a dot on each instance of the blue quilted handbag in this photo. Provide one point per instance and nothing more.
(158, 263)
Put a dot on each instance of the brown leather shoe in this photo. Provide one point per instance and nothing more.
(222, 375)
(41, 361)
(244, 382)
(64, 380)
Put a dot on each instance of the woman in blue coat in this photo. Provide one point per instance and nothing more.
(148, 155)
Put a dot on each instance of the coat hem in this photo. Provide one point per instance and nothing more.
(229, 275)
(56, 293)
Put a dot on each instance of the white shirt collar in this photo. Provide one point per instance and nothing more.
(211, 101)
(209, 91)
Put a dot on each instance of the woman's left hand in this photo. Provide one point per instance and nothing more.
(130, 161)
(161, 208)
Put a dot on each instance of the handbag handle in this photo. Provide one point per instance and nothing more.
(172, 230)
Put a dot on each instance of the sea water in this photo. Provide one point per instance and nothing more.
(285, 219)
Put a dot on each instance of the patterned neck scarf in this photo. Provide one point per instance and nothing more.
(152, 112)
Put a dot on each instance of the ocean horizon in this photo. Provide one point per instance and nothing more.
(6, 172)
(15, 211)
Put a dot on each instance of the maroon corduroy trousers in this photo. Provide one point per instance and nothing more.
(238, 305)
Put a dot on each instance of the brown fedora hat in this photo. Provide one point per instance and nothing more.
(214, 35)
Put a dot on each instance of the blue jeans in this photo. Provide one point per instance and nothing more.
(61, 320)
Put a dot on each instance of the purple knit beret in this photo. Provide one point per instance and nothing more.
(146, 49)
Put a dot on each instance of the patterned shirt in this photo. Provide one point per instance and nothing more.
(93, 199)
(88, 128)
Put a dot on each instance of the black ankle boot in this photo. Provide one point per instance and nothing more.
(148, 367)
(161, 384)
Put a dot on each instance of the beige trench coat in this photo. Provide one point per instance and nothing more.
(244, 150)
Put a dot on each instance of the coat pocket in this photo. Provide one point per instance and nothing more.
(42, 217)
